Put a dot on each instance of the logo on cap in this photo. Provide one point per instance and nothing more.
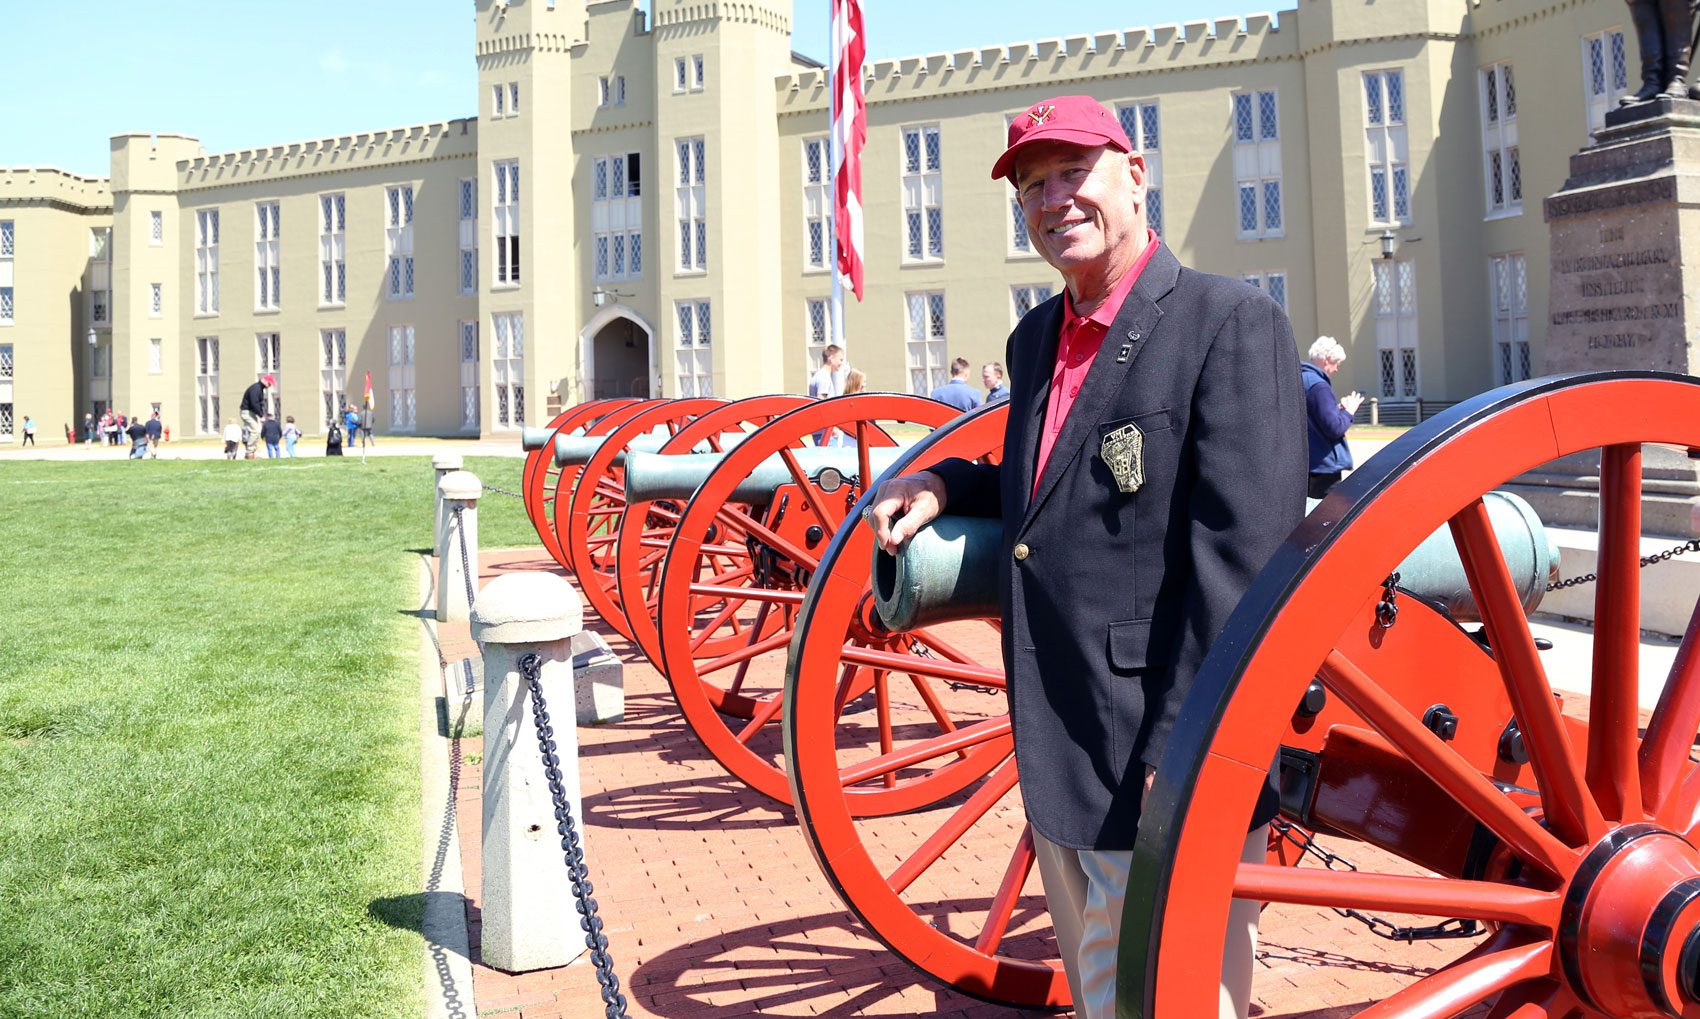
(1040, 114)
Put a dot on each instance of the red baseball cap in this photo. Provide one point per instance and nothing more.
(1081, 120)
(268, 380)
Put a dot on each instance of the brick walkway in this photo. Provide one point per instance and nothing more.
(716, 908)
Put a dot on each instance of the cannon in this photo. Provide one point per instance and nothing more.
(1431, 742)
(537, 480)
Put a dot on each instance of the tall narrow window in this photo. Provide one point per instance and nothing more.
(506, 225)
(679, 74)
(1605, 74)
(1024, 299)
(1020, 243)
(817, 203)
(507, 368)
(401, 378)
(8, 302)
(206, 262)
(1257, 164)
(929, 359)
(156, 356)
(1272, 283)
(616, 217)
(266, 263)
(513, 98)
(697, 73)
(1386, 151)
(469, 235)
(1140, 121)
(398, 241)
(469, 376)
(100, 276)
(333, 250)
(8, 374)
(8, 251)
(498, 101)
(923, 195)
(817, 327)
(333, 376)
(1502, 166)
(268, 360)
(695, 356)
(1396, 327)
(206, 385)
(691, 197)
(156, 228)
(1508, 277)
(156, 300)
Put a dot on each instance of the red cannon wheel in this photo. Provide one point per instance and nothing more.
(566, 478)
(537, 482)
(1590, 890)
(993, 943)
(646, 527)
(735, 577)
(590, 523)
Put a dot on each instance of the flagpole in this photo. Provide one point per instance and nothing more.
(835, 153)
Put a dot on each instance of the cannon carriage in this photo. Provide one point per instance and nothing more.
(1408, 714)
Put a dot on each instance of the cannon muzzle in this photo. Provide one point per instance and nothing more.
(576, 450)
(652, 476)
(950, 569)
(534, 438)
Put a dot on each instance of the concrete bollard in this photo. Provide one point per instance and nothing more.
(441, 464)
(529, 918)
(460, 490)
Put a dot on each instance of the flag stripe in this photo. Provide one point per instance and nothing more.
(851, 130)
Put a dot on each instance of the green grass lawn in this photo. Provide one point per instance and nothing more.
(209, 789)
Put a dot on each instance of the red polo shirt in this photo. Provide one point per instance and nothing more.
(1077, 347)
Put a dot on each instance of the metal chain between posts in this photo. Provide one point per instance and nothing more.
(531, 668)
(1691, 545)
(503, 491)
(1380, 926)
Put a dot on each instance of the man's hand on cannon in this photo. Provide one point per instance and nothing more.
(913, 500)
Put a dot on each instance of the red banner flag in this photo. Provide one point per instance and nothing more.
(850, 134)
(369, 404)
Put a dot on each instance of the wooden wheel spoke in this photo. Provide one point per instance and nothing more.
(610, 511)
(1424, 896)
(932, 668)
(1614, 775)
(938, 645)
(782, 545)
(764, 714)
(1570, 810)
(931, 700)
(1675, 723)
(960, 741)
(864, 465)
(754, 649)
(1493, 966)
(761, 595)
(713, 626)
(1446, 766)
(744, 666)
(1007, 895)
(882, 711)
(954, 827)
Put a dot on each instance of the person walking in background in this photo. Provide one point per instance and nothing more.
(155, 431)
(351, 425)
(991, 376)
(829, 380)
(89, 427)
(855, 381)
(232, 438)
(367, 435)
(271, 433)
(138, 433)
(957, 392)
(290, 433)
(333, 439)
(109, 427)
(1326, 418)
(29, 432)
(253, 412)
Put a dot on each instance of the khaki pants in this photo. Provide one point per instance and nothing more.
(250, 433)
(1085, 888)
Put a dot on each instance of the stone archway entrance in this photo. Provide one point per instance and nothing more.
(618, 360)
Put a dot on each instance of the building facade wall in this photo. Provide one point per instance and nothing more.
(574, 93)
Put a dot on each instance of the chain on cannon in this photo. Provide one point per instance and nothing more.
(531, 670)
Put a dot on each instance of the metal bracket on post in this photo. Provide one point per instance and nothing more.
(527, 894)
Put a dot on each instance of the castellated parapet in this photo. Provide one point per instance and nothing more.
(1257, 38)
(49, 185)
(771, 16)
(449, 139)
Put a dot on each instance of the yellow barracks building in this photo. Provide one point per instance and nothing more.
(641, 208)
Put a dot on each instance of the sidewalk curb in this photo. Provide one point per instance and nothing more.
(448, 969)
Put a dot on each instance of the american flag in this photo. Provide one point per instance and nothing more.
(850, 133)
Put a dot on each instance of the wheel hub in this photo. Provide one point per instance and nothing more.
(1629, 936)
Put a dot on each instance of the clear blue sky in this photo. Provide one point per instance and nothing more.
(241, 73)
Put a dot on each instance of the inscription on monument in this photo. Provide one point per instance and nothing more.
(1617, 298)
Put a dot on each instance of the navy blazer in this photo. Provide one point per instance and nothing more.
(1118, 596)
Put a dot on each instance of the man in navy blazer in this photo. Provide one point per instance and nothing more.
(1154, 459)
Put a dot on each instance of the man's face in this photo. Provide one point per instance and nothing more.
(836, 361)
(988, 378)
(1080, 203)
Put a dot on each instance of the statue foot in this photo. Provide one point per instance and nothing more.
(1677, 89)
(1646, 92)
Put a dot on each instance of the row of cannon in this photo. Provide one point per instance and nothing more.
(1383, 659)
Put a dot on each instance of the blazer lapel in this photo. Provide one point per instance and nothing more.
(1138, 316)
(1042, 339)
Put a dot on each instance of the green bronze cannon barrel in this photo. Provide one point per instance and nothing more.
(950, 570)
(534, 438)
(576, 450)
(653, 476)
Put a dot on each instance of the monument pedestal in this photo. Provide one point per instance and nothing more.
(1625, 246)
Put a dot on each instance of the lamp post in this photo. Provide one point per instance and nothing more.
(1388, 237)
(599, 295)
